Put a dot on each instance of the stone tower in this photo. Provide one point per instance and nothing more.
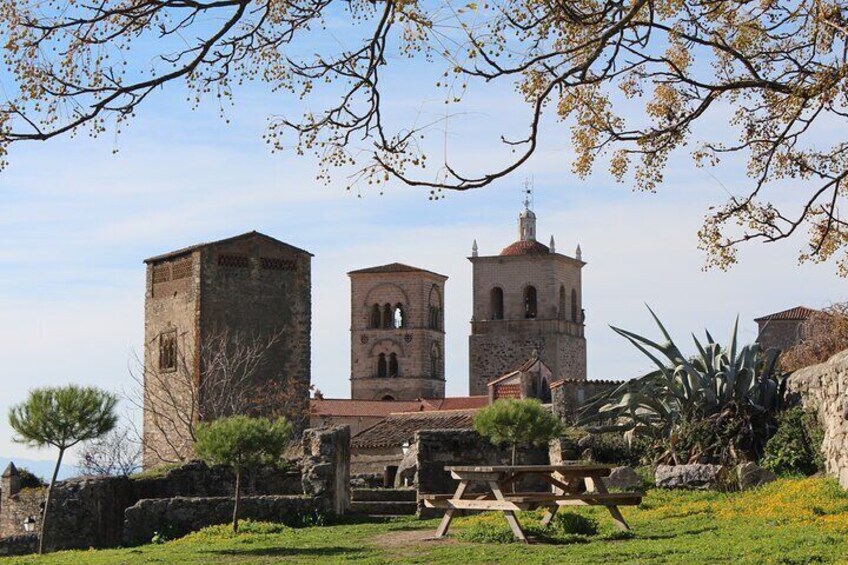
(251, 286)
(397, 333)
(526, 299)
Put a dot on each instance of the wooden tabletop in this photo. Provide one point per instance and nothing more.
(577, 466)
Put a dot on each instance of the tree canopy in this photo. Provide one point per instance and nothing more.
(630, 79)
(62, 417)
(517, 422)
(242, 443)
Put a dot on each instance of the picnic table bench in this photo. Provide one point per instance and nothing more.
(564, 480)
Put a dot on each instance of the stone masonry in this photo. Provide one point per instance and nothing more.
(526, 299)
(251, 285)
(824, 387)
(397, 333)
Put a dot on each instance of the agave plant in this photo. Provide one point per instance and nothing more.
(716, 406)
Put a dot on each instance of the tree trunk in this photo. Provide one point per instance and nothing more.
(238, 500)
(513, 453)
(47, 502)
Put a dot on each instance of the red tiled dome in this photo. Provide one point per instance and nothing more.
(526, 247)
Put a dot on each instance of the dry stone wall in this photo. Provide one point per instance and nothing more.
(824, 387)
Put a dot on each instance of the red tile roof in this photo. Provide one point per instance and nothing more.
(393, 268)
(526, 247)
(381, 408)
(797, 313)
(374, 408)
(396, 429)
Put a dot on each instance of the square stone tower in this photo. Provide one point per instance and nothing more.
(526, 300)
(397, 333)
(251, 286)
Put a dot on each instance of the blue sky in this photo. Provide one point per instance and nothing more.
(76, 222)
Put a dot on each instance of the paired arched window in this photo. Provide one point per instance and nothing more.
(575, 315)
(496, 303)
(561, 311)
(393, 365)
(382, 366)
(397, 318)
(530, 309)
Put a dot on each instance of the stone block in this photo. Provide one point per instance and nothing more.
(750, 475)
(691, 477)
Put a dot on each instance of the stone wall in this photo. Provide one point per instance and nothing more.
(781, 334)
(326, 467)
(824, 388)
(438, 449)
(15, 507)
(567, 396)
(18, 545)
(198, 479)
(176, 517)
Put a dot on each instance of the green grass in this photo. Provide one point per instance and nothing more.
(792, 521)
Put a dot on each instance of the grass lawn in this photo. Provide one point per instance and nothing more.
(791, 521)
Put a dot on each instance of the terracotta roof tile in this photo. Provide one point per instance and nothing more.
(526, 247)
(797, 313)
(396, 429)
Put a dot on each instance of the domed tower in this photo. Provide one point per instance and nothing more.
(527, 298)
(397, 333)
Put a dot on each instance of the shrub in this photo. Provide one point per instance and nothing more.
(29, 480)
(485, 532)
(612, 448)
(796, 447)
(572, 523)
(825, 333)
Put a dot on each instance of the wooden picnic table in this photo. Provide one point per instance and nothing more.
(565, 485)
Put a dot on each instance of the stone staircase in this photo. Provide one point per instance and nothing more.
(383, 502)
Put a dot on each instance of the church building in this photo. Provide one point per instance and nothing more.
(527, 301)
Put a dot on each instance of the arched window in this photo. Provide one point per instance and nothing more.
(388, 397)
(393, 365)
(397, 319)
(496, 303)
(375, 316)
(561, 313)
(575, 316)
(435, 310)
(382, 369)
(530, 302)
(434, 362)
(387, 316)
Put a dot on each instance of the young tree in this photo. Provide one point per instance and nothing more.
(242, 443)
(62, 418)
(117, 454)
(631, 80)
(517, 422)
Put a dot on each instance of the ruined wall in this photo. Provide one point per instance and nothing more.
(824, 387)
(416, 291)
(184, 515)
(326, 467)
(568, 396)
(17, 506)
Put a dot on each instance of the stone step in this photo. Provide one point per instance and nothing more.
(383, 508)
(387, 494)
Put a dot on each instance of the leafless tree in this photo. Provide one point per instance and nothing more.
(118, 453)
(229, 375)
(823, 334)
(631, 79)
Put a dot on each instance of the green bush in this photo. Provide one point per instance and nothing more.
(29, 480)
(572, 523)
(796, 447)
(612, 448)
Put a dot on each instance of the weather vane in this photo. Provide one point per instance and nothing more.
(529, 189)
